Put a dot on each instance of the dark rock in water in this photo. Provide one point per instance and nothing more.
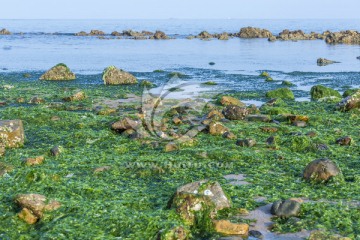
(321, 170)
(358, 58)
(256, 234)
(160, 35)
(5, 32)
(116, 34)
(233, 112)
(96, 33)
(211, 63)
(286, 208)
(317, 92)
(346, 37)
(246, 142)
(344, 141)
(115, 76)
(324, 62)
(58, 73)
(250, 32)
(349, 103)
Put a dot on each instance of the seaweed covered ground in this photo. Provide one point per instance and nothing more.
(129, 199)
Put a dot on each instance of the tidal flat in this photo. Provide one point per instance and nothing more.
(111, 186)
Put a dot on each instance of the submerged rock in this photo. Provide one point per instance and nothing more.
(324, 62)
(5, 32)
(317, 92)
(12, 133)
(321, 170)
(284, 93)
(58, 73)
(250, 32)
(350, 102)
(115, 76)
(286, 208)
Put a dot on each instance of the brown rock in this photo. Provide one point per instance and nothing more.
(349, 103)
(215, 114)
(96, 33)
(216, 128)
(102, 169)
(299, 124)
(177, 120)
(34, 161)
(78, 96)
(250, 32)
(228, 228)
(115, 76)
(59, 72)
(5, 32)
(160, 35)
(345, 37)
(344, 141)
(12, 133)
(229, 135)
(28, 216)
(321, 170)
(233, 112)
(171, 146)
(227, 100)
(36, 203)
(82, 33)
(269, 129)
(36, 100)
(125, 124)
(258, 118)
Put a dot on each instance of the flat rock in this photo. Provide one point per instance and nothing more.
(228, 228)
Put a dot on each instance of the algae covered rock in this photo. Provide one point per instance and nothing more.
(284, 93)
(78, 96)
(285, 208)
(12, 133)
(59, 72)
(322, 235)
(216, 128)
(199, 201)
(321, 170)
(227, 100)
(317, 92)
(175, 233)
(115, 76)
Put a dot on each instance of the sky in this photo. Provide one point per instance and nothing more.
(188, 9)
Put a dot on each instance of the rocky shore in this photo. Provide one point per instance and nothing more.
(342, 37)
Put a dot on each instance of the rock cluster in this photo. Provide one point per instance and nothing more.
(346, 37)
(251, 32)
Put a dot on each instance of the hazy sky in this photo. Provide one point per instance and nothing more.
(159, 9)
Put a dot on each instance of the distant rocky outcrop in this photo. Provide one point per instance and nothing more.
(96, 33)
(324, 62)
(59, 72)
(115, 76)
(159, 35)
(81, 34)
(204, 35)
(250, 32)
(346, 37)
(4, 32)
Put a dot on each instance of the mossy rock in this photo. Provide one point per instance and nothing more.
(265, 74)
(59, 72)
(317, 92)
(146, 83)
(287, 83)
(115, 76)
(177, 75)
(350, 92)
(274, 110)
(284, 93)
(210, 83)
(269, 79)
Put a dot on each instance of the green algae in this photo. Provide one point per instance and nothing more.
(129, 200)
(317, 92)
(284, 93)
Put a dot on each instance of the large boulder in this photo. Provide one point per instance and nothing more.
(250, 32)
(227, 100)
(317, 92)
(346, 37)
(12, 133)
(59, 72)
(4, 32)
(284, 93)
(233, 112)
(321, 170)
(350, 102)
(287, 35)
(34, 205)
(115, 76)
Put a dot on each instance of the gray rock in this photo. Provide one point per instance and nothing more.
(324, 62)
(233, 112)
(246, 142)
(285, 208)
(321, 170)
